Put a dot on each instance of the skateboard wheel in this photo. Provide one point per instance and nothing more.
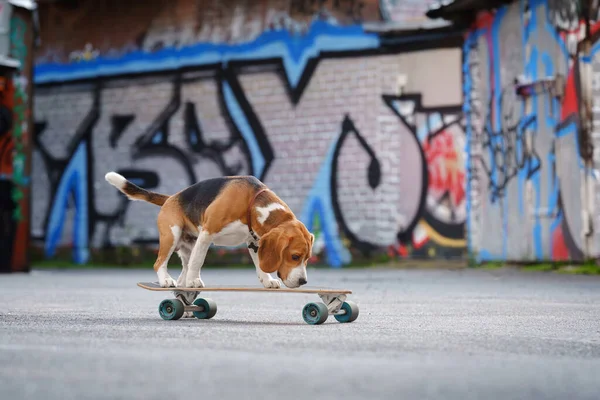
(315, 313)
(209, 308)
(351, 312)
(171, 309)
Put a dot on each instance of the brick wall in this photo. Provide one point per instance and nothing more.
(366, 168)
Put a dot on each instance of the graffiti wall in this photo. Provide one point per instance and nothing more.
(533, 185)
(309, 102)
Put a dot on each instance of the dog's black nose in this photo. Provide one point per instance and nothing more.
(302, 281)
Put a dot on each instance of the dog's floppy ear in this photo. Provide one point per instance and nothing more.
(270, 250)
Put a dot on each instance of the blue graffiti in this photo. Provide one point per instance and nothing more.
(470, 42)
(551, 111)
(319, 202)
(501, 138)
(294, 51)
(72, 183)
(241, 122)
(497, 140)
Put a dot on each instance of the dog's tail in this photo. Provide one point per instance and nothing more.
(134, 192)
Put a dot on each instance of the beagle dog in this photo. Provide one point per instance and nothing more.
(226, 211)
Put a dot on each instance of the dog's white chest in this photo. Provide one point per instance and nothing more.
(232, 234)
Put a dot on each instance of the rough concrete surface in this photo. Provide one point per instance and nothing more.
(421, 334)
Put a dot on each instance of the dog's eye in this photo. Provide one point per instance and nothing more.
(295, 257)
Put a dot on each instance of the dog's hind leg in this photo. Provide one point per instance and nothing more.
(197, 260)
(169, 231)
(184, 253)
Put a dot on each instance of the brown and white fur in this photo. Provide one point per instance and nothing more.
(214, 211)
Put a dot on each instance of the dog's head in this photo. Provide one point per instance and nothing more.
(286, 249)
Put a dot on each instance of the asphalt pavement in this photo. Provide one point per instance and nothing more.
(421, 334)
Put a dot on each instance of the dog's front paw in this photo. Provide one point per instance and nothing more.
(271, 283)
(195, 283)
(167, 281)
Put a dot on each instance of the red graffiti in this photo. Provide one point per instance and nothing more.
(6, 138)
(446, 168)
(560, 251)
(6, 152)
(570, 106)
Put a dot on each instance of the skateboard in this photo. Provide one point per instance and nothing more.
(186, 302)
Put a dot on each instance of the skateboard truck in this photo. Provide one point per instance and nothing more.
(187, 298)
(333, 302)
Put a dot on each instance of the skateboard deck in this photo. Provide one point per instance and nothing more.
(186, 303)
(311, 290)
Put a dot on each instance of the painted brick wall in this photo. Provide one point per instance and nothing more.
(307, 101)
(300, 95)
(528, 172)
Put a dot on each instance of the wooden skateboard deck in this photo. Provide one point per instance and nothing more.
(154, 286)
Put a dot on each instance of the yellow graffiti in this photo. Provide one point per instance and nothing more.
(442, 240)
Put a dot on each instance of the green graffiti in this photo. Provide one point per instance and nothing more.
(19, 50)
(18, 30)
(16, 195)
(17, 214)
